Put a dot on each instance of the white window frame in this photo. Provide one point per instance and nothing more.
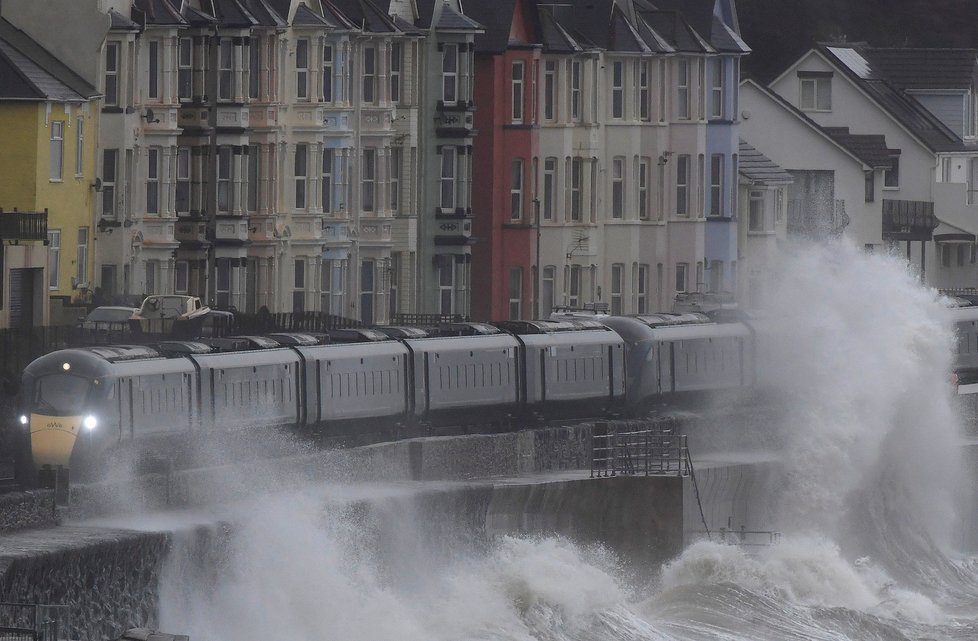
(891, 175)
(394, 163)
(515, 293)
(815, 92)
(369, 75)
(449, 74)
(549, 187)
(54, 259)
(449, 174)
(302, 47)
(154, 159)
(682, 277)
(111, 92)
(185, 68)
(617, 288)
(225, 164)
(717, 167)
(574, 82)
(397, 61)
(368, 179)
(81, 258)
(717, 86)
(109, 181)
(548, 291)
(79, 146)
(516, 190)
(684, 167)
(577, 189)
(642, 286)
(549, 90)
(618, 187)
(299, 284)
(327, 90)
(617, 89)
(682, 89)
(181, 277)
(644, 90)
(300, 172)
(225, 68)
(154, 55)
(755, 211)
(644, 165)
(326, 180)
(57, 150)
(517, 78)
(183, 169)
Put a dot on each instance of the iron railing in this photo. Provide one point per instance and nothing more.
(638, 448)
(23, 225)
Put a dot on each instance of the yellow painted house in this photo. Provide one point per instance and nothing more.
(48, 136)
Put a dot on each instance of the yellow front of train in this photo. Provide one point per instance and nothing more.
(59, 394)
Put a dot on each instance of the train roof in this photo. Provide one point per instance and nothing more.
(357, 335)
(292, 339)
(401, 331)
(551, 326)
(114, 353)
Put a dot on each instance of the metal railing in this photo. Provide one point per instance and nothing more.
(638, 448)
(23, 225)
(34, 622)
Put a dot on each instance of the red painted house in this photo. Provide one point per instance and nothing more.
(503, 190)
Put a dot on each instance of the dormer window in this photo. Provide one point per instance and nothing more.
(815, 90)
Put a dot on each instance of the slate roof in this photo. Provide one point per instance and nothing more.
(365, 15)
(496, 18)
(902, 107)
(233, 13)
(758, 168)
(159, 12)
(121, 23)
(869, 148)
(452, 20)
(555, 38)
(925, 68)
(305, 17)
(30, 72)
(197, 18)
(264, 13)
(678, 33)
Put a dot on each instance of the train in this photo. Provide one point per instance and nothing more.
(79, 404)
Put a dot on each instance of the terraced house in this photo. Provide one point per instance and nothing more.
(609, 128)
(48, 129)
(273, 153)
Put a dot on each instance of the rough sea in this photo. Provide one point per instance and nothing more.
(874, 512)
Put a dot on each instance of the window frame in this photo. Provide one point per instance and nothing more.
(109, 182)
(682, 278)
(57, 150)
(111, 93)
(684, 165)
(683, 106)
(517, 79)
(327, 160)
(182, 182)
(515, 289)
(549, 187)
(300, 174)
(717, 168)
(154, 158)
(302, 46)
(450, 73)
(54, 259)
(448, 181)
(225, 70)
(327, 88)
(549, 90)
(368, 75)
(397, 61)
(368, 179)
(820, 90)
(516, 190)
(153, 50)
(617, 89)
(618, 187)
(756, 201)
(717, 89)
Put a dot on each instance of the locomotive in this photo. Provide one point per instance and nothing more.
(79, 403)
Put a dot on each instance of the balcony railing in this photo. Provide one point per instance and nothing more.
(23, 225)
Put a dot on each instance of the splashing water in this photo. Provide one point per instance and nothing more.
(859, 351)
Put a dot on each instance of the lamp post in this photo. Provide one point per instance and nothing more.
(536, 260)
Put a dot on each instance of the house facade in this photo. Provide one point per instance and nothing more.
(49, 125)
(920, 102)
(615, 122)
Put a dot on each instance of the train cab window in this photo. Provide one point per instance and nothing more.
(61, 393)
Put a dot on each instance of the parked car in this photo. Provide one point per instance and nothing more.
(107, 324)
(107, 318)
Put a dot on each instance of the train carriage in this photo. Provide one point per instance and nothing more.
(572, 368)
(356, 382)
(465, 380)
(249, 388)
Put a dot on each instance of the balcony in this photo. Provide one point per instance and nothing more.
(908, 220)
(453, 232)
(23, 225)
(231, 231)
(191, 233)
(454, 121)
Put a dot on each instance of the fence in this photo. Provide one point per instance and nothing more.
(34, 622)
(638, 448)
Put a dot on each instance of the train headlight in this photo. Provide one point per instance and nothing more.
(24, 420)
(90, 422)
